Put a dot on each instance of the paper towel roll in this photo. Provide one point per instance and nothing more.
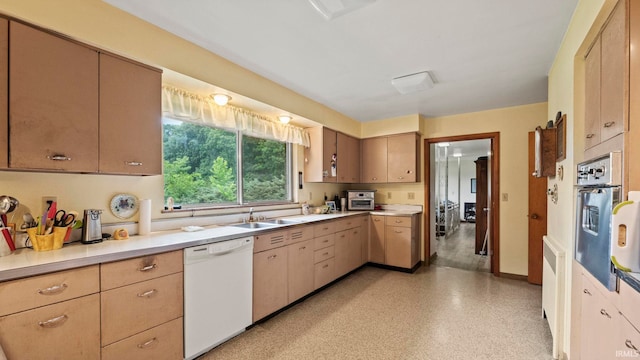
(144, 222)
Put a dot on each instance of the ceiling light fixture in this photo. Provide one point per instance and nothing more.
(331, 9)
(413, 83)
(443, 144)
(221, 99)
(457, 153)
(284, 119)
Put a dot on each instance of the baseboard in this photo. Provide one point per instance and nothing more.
(514, 276)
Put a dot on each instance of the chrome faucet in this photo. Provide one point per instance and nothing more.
(251, 215)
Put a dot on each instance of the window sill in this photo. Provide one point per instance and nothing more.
(227, 209)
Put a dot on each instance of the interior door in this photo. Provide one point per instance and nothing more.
(537, 216)
(482, 207)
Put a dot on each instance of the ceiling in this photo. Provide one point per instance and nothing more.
(482, 54)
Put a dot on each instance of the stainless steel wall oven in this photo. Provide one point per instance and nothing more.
(599, 185)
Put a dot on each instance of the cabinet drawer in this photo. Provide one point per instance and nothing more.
(160, 342)
(323, 241)
(629, 304)
(23, 294)
(323, 254)
(349, 223)
(66, 330)
(404, 221)
(131, 271)
(133, 308)
(300, 233)
(270, 240)
(325, 228)
(324, 273)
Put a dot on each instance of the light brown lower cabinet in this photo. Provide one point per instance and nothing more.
(394, 240)
(269, 282)
(324, 273)
(158, 343)
(301, 269)
(66, 330)
(376, 239)
(128, 310)
(348, 247)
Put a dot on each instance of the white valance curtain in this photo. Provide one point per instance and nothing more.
(183, 105)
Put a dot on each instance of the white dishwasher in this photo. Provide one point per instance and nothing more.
(218, 288)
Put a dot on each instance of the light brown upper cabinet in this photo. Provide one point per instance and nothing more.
(4, 93)
(391, 159)
(319, 162)
(374, 160)
(53, 102)
(130, 118)
(606, 67)
(348, 151)
(402, 158)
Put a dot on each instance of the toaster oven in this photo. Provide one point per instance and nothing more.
(360, 199)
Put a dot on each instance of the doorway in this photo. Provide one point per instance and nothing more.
(460, 232)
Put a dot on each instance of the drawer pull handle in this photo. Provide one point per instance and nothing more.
(272, 257)
(398, 221)
(586, 292)
(147, 268)
(325, 266)
(56, 321)
(325, 254)
(325, 240)
(590, 136)
(604, 312)
(133, 163)
(397, 231)
(630, 345)
(58, 157)
(609, 124)
(376, 219)
(302, 248)
(146, 344)
(400, 177)
(53, 290)
(148, 293)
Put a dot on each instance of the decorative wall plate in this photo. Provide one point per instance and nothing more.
(124, 206)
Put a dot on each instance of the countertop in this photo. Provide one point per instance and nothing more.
(27, 262)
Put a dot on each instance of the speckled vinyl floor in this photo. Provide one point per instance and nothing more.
(436, 313)
(458, 250)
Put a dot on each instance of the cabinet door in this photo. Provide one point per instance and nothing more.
(627, 341)
(398, 246)
(324, 273)
(592, 96)
(329, 150)
(65, 330)
(355, 248)
(376, 239)
(301, 271)
(341, 254)
(354, 158)
(612, 92)
(53, 102)
(364, 237)
(600, 322)
(374, 160)
(130, 118)
(344, 164)
(269, 282)
(161, 342)
(4, 93)
(402, 158)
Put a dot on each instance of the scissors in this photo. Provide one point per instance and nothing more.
(62, 219)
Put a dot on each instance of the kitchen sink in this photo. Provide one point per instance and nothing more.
(255, 225)
(282, 221)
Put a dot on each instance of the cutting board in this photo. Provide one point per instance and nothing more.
(625, 235)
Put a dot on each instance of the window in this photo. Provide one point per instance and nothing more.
(207, 166)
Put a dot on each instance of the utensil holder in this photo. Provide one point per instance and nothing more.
(47, 242)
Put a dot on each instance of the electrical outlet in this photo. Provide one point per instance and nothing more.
(411, 196)
(46, 200)
(505, 197)
(389, 195)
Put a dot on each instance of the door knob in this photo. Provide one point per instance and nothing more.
(535, 216)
